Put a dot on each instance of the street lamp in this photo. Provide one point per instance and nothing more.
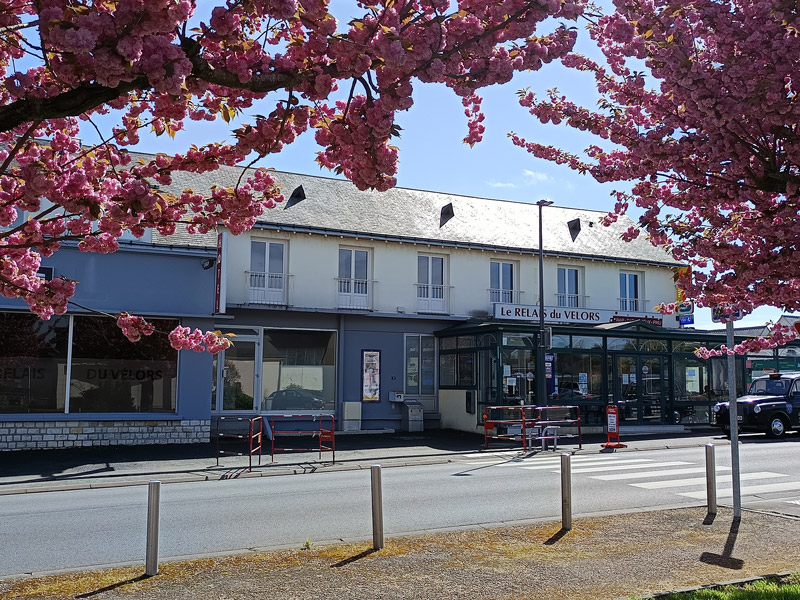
(541, 388)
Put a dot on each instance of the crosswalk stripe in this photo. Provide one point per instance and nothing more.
(552, 464)
(618, 467)
(550, 461)
(647, 474)
(749, 490)
(656, 485)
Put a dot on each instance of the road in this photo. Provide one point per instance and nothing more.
(81, 528)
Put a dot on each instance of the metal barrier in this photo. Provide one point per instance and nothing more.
(528, 423)
(324, 435)
(255, 438)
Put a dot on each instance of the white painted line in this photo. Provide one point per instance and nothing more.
(656, 485)
(619, 467)
(632, 462)
(752, 490)
(646, 474)
(549, 464)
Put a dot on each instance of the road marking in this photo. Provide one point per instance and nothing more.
(619, 467)
(633, 462)
(545, 462)
(655, 485)
(645, 474)
(752, 490)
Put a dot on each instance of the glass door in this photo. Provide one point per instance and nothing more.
(640, 388)
(238, 377)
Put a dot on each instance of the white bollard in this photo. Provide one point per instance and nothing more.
(377, 508)
(711, 480)
(566, 491)
(153, 500)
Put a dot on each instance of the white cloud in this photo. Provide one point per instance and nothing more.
(501, 184)
(535, 177)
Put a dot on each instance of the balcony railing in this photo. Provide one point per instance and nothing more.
(504, 296)
(633, 304)
(354, 293)
(434, 299)
(267, 288)
(571, 301)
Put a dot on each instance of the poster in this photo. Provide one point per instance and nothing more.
(371, 375)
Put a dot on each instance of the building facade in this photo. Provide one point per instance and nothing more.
(361, 305)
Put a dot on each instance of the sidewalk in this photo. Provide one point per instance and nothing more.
(79, 468)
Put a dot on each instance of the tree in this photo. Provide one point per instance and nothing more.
(699, 110)
(158, 64)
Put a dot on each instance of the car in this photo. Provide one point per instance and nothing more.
(294, 399)
(771, 406)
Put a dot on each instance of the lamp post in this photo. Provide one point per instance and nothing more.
(541, 388)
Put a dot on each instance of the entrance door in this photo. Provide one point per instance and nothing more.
(640, 388)
(238, 377)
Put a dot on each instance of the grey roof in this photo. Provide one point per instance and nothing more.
(336, 206)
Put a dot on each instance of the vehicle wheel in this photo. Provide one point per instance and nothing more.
(777, 428)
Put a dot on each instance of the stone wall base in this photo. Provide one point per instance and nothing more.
(31, 435)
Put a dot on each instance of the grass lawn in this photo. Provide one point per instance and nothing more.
(770, 589)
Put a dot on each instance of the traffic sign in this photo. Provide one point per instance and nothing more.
(687, 320)
(685, 308)
(718, 315)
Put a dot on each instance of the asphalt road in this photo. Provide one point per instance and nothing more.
(81, 528)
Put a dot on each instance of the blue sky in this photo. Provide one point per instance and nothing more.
(433, 157)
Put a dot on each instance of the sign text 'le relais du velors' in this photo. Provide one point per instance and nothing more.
(561, 314)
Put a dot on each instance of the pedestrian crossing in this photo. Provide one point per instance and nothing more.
(670, 476)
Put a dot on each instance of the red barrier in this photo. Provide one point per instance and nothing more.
(254, 437)
(324, 434)
(612, 426)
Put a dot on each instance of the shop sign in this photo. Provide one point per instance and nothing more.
(659, 321)
(530, 312)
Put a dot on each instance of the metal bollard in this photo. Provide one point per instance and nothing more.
(566, 491)
(153, 500)
(377, 508)
(711, 480)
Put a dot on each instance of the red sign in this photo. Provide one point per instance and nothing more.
(612, 425)
(218, 284)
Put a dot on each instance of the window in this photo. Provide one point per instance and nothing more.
(629, 292)
(33, 361)
(298, 370)
(353, 281)
(267, 272)
(421, 369)
(111, 374)
(568, 287)
(501, 282)
(431, 289)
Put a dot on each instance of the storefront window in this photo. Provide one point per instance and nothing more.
(33, 360)
(518, 376)
(579, 382)
(420, 366)
(466, 370)
(299, 370)
(447, 343)
(518, 340)
(447, 369)
(466, 341)
(789, 359)
(560, 341)
(586, 342)
(692, 392)
(653, 345)
(112, 374)
(626, 344)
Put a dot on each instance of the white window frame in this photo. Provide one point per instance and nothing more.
(268, 286)
(432, 296)
(354, 291)
(503, 292)
(628, 301)
(566, 297)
